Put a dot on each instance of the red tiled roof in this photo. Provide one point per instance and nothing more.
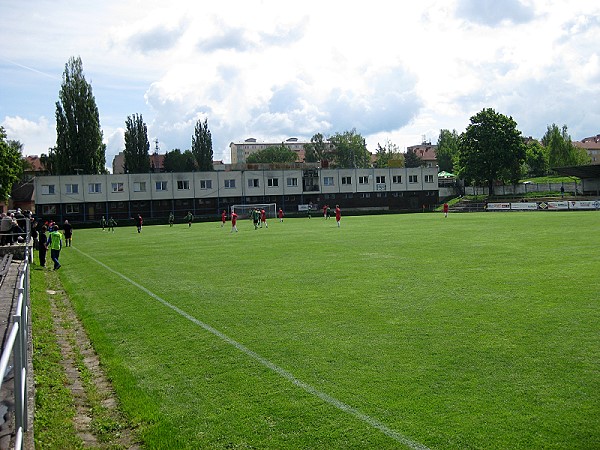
(424, 151)
(36, 163)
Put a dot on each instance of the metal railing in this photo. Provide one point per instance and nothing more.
(17, 346)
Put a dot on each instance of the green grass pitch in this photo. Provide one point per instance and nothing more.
(393, 331)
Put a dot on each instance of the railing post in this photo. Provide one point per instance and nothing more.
(18, 374)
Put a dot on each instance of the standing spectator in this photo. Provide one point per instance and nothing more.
(338, 214)
(43, 245)
(171, 219)
(55, 244)
(103, 223)
(263, 218)
(445, 209)
(233, 222)
(5, 226)
(223, 218)
(21, 228)
(139, 222)
(68, 229)
(35, 233)
(189, 218)
(280, 215)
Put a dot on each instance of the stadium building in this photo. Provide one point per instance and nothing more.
(83, 198)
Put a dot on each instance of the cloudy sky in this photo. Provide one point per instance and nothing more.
(395, 71)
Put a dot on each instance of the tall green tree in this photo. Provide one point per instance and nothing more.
(79, 147)
(447, 149)
(536, 159)
(491, 149)
(272, 154)
(137, 146)
(11, 165)
(350, 150)
(561, 151)
(411, 159)
(389, 156)
(202, 146)
(317, 150)
(176, 161)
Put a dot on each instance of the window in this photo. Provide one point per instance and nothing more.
(183, 185)
(273, 182)
(428, 178)
(72, 208)
(365, 195)
(292, 182)
(346, 180)
(413, 178)
(139, 186)
(230, 184)
(161, 185)
(47, 189)
(253, 183)
(397, 179)
(328, 181)
(49, 210)
(94, 188)
(72, 188)
(117, 187)
(206, 184)
(363, 180)
(380, 179)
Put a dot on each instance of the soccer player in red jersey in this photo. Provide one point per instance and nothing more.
(233, 222)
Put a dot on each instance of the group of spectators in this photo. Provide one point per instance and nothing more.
(13, 226)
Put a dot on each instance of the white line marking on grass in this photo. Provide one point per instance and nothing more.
(275, 368)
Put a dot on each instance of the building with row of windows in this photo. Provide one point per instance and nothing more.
(241, 150)
(82, 198)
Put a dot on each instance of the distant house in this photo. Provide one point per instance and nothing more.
(35, 167)
(592, 146)
(241, 150)
(157, 163)
(426, 152)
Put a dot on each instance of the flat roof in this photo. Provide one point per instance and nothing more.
(589, 171)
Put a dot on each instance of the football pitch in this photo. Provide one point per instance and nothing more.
(479, 330)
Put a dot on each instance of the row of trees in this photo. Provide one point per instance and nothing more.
(492, 149)
(79, 147)
(137, 147)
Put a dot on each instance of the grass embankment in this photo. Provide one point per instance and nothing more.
(71, 401)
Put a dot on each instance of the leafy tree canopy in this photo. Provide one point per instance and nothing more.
(389, 156)
(137, 147)
(176, 161)
(272, 154)
(350, 150)
(79, 147)
(411, 159)
(491, 149)
(536, 159)
(11, 165)
(561, 151)
(317, 150)
(447, 150)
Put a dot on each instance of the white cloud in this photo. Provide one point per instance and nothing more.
(36, 136)
(272, 70)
